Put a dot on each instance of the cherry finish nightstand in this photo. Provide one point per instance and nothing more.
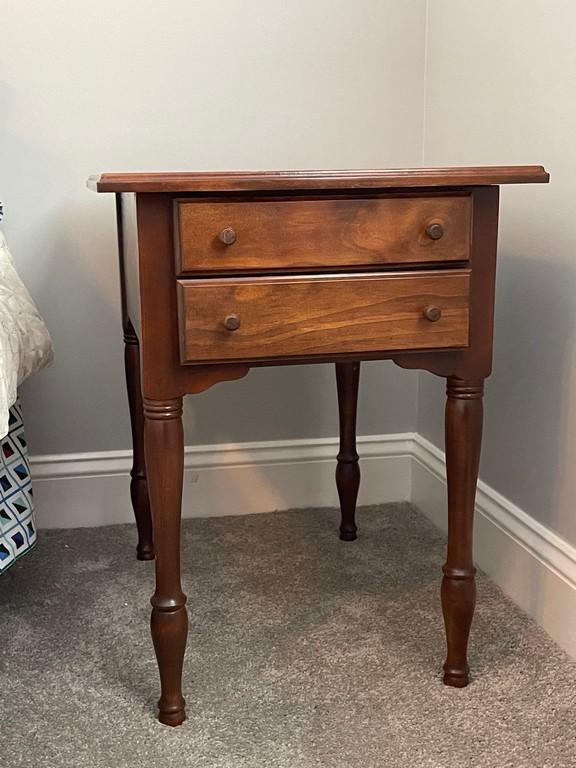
(221, 272)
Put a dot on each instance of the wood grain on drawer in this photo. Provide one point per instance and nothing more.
(298, 234)
(271, 318)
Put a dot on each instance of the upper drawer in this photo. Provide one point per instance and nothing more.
(299, 234)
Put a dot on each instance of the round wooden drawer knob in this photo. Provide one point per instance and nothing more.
(432, 313)
(435, 231)
(227, 236)
(232, 322)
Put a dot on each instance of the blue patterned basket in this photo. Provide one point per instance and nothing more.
(17, 529)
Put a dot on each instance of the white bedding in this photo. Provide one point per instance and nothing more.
(25, 344)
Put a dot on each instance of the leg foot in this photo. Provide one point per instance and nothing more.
(140, 502)
(347, 468)
(458, 601)
(138, 483)
(463, 439)
(169, 631)
(164, 441)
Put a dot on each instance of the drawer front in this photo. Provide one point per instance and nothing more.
(299, 234)
(269, 318)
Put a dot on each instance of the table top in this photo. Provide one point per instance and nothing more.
(242, 181)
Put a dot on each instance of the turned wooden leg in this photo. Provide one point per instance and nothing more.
(164, 440)
(463, 438)
(138, 483)
(347, 469)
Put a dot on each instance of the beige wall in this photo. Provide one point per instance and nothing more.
(501, 88)
(181, 85)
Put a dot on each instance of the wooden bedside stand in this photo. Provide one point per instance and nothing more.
(221, 272)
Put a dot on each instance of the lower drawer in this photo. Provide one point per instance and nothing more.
(250, 319)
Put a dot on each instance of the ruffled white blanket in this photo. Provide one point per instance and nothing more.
(25, 344)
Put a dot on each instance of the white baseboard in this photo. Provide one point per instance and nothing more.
(77, 490)
(531, 564)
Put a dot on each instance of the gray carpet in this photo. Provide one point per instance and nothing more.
(303, 651)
